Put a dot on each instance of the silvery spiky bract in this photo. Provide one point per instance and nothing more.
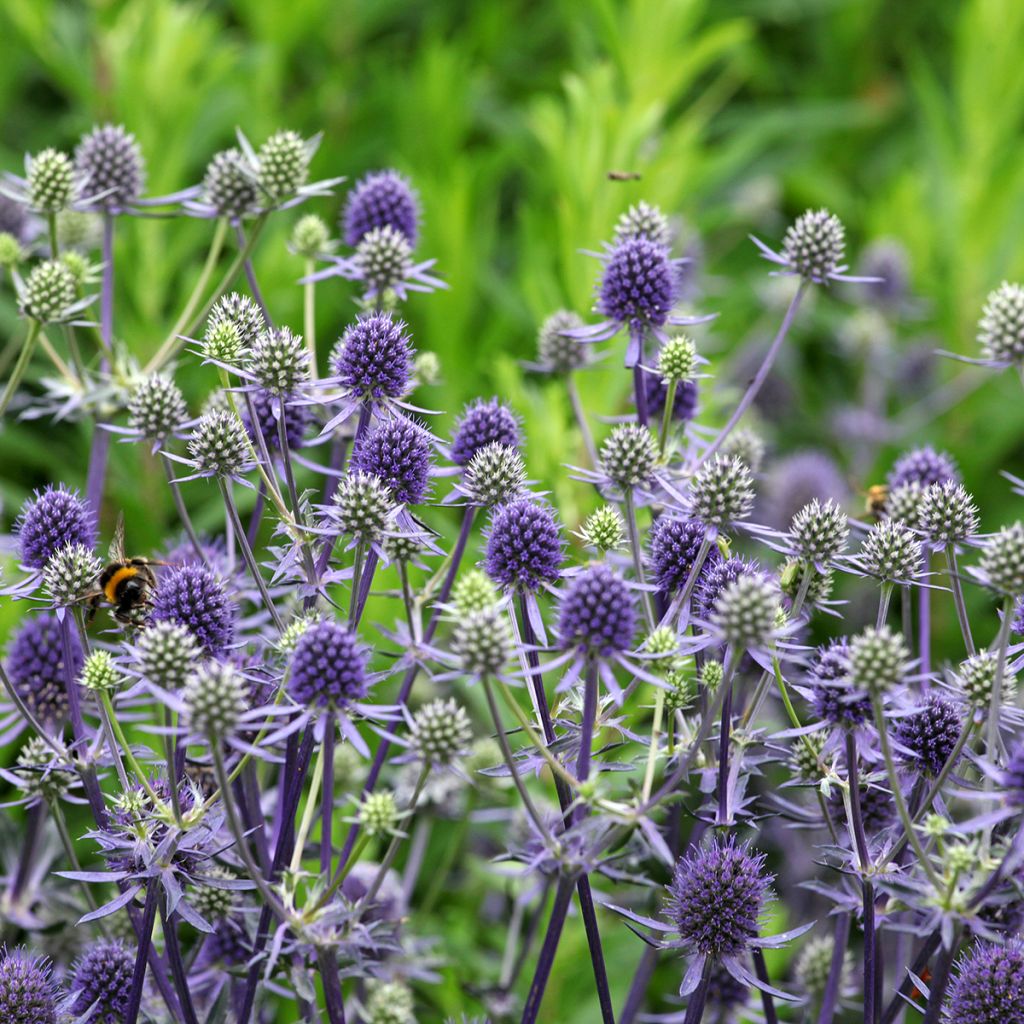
(279, 360)
(242, 312)
(378, 813)
(878, 659)
(947, 513)
(977, 677)
(1002, 560)
(111, 163)
(677, 360)
(473, 592)
(101, 672)
(51, 181)
(628, 456)
(644, 220)
(819, 532)
(604, 529)
(441, 731)
(747, 445)
(310, 236)
(745, 613)
(49, 291)
(70, 574)
(495, 475)
(814, 245)
(721, 491)
(215, 699)
(282, 165)
(362, 506)
(1001, 329)
(156, 407)
(557, 352)
(384, 258)
(167, 653)
(891, 552)
(228, 184)
(482, 641)
(218, 444)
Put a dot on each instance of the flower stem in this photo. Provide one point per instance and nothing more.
(581, 419)
(956, 585)
(635, 551)
(212, 256)
(546, 959)
(309, 317)
(24, 357)
(835, 971)
(666, 416)
(131, 1013)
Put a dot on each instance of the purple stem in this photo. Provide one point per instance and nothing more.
(250, 276)
(871, 964)
(697, 1001)
(924, 625)
(365, 582)
(927, 951)
(640, 395)
(410, 676)
(98, 456)
(723, 758)
(939, 982)
(257, 514)
(546, 960)
(754, 387)
(767, 1002)
(131, 1014)
(178, 971)
(327, 798)
(835, 971)
(34, 827)
(332, 988)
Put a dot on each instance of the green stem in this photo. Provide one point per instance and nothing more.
(634, 545)
(24, 357)
(666, 416)
(958, 599)
(108, 709)
(309, 317)
(652, 750)
(309, 812)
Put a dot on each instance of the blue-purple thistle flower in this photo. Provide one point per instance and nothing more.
(930, 733)
(27, 992)
(36, 668)
(328, 667)
(296, 417)
(831, 696)
(52, 520)
(674, 547)
(715, 577)
(111, 162)
(684, 406)
(923, 466)
(398, 452)
(1012, 777)
(988, 987)
(717, 896)
(195, 598)
(381, 199)
(373, 358)
(482, 423)
(524, 546)
(598, 613)
(103, 978)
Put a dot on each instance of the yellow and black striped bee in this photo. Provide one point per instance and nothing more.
(875, 498)
(125, 583)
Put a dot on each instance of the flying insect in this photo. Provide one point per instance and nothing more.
(125, 583)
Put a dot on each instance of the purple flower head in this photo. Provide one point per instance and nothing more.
(27, 992)
(296, 419)
(598, 613)
(924, 466)
(14, 219)
(1017, 625)
(988, 986)
(482, 423)
(1012, 777)
(832, 699)
(639, 285)
(716, 897)
(725, 993)
(877, 810)
(930, 733)
(328, 666)
(111, 162)
(524, 549)
(195, 598)
(228, 946)
(398, 452)
(684, 406)
(373, 357)
(796, 481)
(381, 199)
(103, 976)
(35, 667)
(675, 544)
(715, 577)
(52, 520)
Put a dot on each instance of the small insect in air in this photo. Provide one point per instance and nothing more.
(875, 498)
(624, 175)
(125, 583)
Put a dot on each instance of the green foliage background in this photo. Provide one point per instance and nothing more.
(905, 119)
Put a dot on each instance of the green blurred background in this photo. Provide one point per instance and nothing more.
(905, 119)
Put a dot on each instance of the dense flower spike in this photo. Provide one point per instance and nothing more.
(815, 244)
(362, 507)
(721, 492)
(833, 699)
(398, 452)
(1001, 328)
(746, 445)
(891, 552)
(988, 985)
(167, 652)
(878, 659)
(279, 361)
(54, 519)
(36, 667)
(228, 185)
(628, 456)
(242, 313)
(218, 444)
(715, 577)
(924, 466)
(598, 613)
(110, 160)
(557, 350)
(483, 423)
(28, 994)
(977, 677)
(675, 546)
(270, 411)
(310, 237)
(383, 258)
(495, 475)
(639, 284)
(69, 575)
(643, 220)
(604, 529)
(930, 733)
(49, 292)
(717, 896)
(746, 611)
(215, 699)
(328, 667)
(1002, 560)
(381, 199)
(51, 181)
(282, 165)
(193, 597)
(482, 640)
(819, 532)
(441, 731)
(102, 979)
(373, 358)
(156, 407)
(524, 548)
(947, 513)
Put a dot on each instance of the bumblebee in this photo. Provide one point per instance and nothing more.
(125, 583)
(875, 498)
